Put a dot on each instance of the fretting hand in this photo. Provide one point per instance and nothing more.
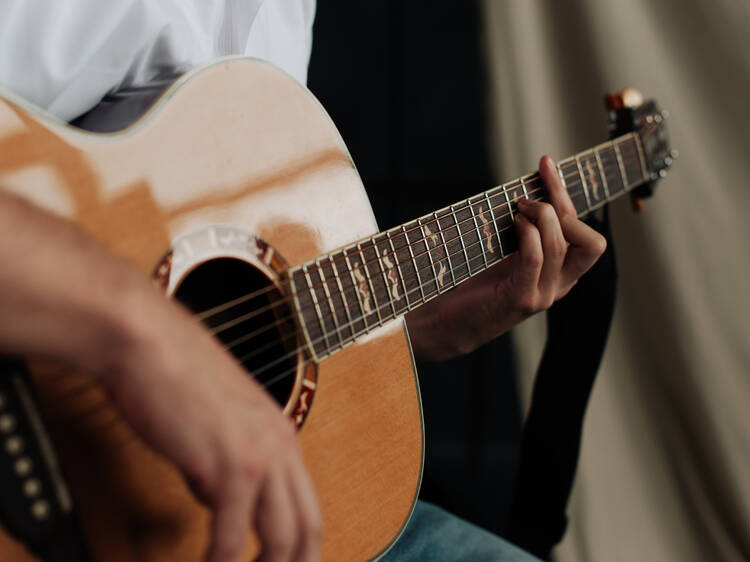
(555, 249)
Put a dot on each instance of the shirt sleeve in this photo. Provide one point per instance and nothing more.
(65, 55)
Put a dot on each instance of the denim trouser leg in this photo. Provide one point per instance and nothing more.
(433, 534)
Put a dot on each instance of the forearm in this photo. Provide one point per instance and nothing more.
(62, 296)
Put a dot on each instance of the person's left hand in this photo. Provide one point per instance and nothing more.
(555, 249)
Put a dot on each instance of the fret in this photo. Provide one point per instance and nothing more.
(494, 224)
(639, 146)
(523, 186)
(620, 166)
(562, 176)
(459, 260)
(583, 183)
(507, 200)
(418, 277)
(470, 238)
(515, 191)
(409, 276)
(486, 229)
(479, 238)
(438, 253)
(329, 299)
(327, 345)
(446, 249)
(611, 169)
(631, 161)
(379, 278)
(507, 238)
(342, 295)
(461, 240)
(420, 240)
(572, 184)
(349, 293)
(594, 181)
(602, 175)
(361, 289)
(400, 277)
(311, 327)
(426, 236)
(366, 263)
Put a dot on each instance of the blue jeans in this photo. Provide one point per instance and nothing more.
(433, 534)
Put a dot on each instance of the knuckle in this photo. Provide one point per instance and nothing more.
(528, 304)
(547, 211)
(533, 260)
(252, 464)
(559, 247)
(600, 245)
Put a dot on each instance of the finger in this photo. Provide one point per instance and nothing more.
(230, 522)
(586, 245)
(311, 520)
(553, 244)
(558, 195)
(530, 257)
(276, 520)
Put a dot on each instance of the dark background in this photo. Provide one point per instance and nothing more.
(405, 84)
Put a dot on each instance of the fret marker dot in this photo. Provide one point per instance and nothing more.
(23, 466)
(40, 509)
(32, 488)
(7, 423)
(14, 445)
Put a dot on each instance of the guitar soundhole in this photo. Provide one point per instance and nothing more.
(250, 316)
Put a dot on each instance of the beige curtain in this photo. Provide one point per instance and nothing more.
(665, 463)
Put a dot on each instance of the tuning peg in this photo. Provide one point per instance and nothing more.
(629, 97)
(674, 154)
(664, 114)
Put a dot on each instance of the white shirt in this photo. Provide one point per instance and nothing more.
(65, 55)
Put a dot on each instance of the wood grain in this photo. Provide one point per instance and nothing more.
(239, 144)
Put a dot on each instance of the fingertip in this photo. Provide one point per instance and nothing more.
(547, 163)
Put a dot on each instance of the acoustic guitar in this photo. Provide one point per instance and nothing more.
(235, 192)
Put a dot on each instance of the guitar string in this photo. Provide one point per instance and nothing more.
(326, 335)
(562, 166)
(419, 288)
(350, 325)
(493, 192)
(239, 300)
(228, 324)
(317, 285)
(390, 304)
(410, 244)
(620, 166)
(205, 314)
(348, 291)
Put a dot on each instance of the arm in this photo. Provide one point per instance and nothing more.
(238, 451)
(555, 249)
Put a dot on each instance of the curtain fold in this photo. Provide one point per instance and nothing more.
(665, 463)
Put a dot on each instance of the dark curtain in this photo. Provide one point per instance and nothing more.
(405, 84)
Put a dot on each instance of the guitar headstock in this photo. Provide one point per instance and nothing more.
(628, 112)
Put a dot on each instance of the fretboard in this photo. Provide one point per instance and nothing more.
(350, 292)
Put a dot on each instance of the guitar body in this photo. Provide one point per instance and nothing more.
(241, 145)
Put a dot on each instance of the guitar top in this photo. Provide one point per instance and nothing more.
(237, 168)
